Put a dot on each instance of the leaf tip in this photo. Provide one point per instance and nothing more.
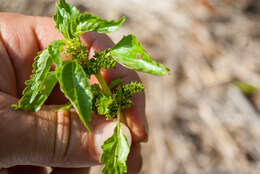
(122, 20)
(86, 124)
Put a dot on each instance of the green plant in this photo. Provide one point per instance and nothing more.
(73, 75)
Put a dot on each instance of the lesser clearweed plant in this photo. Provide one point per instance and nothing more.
(73, 75)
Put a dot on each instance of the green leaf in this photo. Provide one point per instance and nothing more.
(130, 53)
(115, 152)
(31, 100)
(26, 103)
(66, 19)
(88, 22)
(71, 23)
(55, 48)
(115, 82)
(74, 84)
(42, 81)
(66, 106)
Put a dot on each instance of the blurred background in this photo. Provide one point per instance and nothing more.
(201, 120)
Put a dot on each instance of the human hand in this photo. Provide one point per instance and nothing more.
(46, 138)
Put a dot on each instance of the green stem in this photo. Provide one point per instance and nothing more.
(103, 84)
(120, 116)
(107, 92)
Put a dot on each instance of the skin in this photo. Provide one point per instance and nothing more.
(31, 140)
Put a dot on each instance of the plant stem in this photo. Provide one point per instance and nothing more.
(107, 92)
(103, 84)
(120, 116)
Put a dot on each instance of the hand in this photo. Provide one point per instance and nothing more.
(46, 138)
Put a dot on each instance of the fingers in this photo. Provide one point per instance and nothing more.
(97, 41)
(135, 115)
(7, 73)
(46, 138)
(19, 35)
(134, 161)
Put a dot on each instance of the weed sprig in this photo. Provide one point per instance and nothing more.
(73, 76)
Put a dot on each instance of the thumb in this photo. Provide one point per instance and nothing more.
(46, 138)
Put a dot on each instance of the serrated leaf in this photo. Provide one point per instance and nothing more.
(115, 152)
(130, 53)
(66, 19)
(32, 99)
(26, 104)
(71, 23)
(88, 22)
(74, 84)
(55, 49)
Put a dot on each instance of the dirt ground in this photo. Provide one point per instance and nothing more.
(200, 123)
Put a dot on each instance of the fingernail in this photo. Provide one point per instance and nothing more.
(106, 130)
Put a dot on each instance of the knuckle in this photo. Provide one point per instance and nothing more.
(63, 131)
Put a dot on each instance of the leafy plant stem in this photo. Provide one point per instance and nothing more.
(107, 91)
(120, 116)
(103, 84)
(73, 76)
